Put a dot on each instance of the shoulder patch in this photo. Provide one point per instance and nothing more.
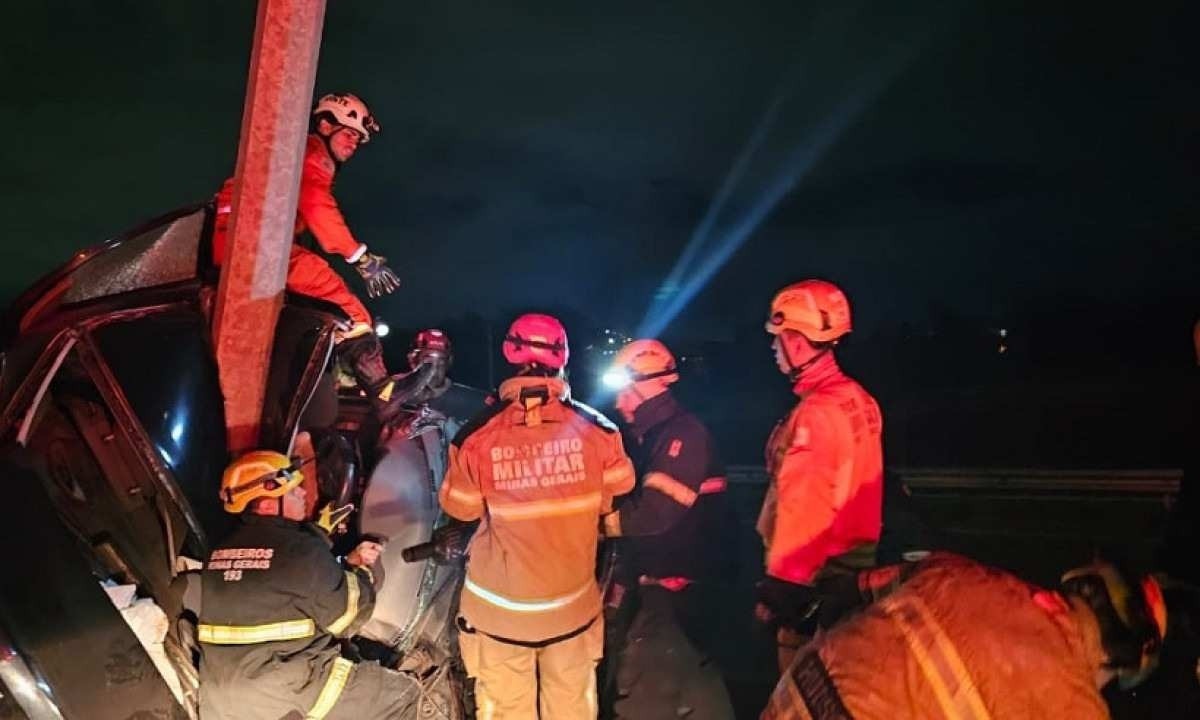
(675, 448)
(493, 407)
(592, 415)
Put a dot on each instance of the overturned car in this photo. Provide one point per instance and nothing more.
(113, 443)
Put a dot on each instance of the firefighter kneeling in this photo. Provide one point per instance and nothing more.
(950, 638)
(275, 602)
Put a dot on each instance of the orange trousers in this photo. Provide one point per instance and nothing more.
(308, 274)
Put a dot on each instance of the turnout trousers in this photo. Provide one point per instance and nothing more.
(518, 682)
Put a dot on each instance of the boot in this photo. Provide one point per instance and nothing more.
(388, 393)
(364, 356)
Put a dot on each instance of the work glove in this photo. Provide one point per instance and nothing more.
(379, 277)
(450, 541)
(838, 597)
(781, 603)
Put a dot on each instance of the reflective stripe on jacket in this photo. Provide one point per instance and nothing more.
(960, 641)
(275, 602)
(826, 466)
(677, 520)
(538, 470)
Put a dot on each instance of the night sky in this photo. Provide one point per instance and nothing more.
(980, 156)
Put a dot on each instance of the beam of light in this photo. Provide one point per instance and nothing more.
(733, 178)
(693, 271)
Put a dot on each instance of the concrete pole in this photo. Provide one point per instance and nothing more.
(283, 67)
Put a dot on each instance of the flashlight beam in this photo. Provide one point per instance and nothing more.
(698, 271)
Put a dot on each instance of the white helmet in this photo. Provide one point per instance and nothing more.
(348, 111)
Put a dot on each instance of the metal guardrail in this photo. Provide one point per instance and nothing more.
(1003, 480)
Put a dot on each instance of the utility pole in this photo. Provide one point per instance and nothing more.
(283, 67)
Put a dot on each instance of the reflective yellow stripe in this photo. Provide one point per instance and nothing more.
(546, 508)
(714, 485)
(357, 330)
(622, 473)
(251, 634)
(334, 684)
(339, 625)
(612, 524)
(521, 606)
(940, 662)
(463, 496)
(671, 487)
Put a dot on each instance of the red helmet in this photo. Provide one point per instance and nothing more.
(537, 339)
(430, 343)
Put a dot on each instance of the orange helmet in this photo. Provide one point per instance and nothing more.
(639, 361)
(536, 339)
(258, 474)
(816, 309)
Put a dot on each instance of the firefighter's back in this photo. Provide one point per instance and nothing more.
(956, 640)
(545, 470)
(261, 646)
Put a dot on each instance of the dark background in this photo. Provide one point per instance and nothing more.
(958, 167)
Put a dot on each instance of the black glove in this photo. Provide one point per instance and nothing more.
(839, 596)
(450, 541)
(788, 604)
(379, 277)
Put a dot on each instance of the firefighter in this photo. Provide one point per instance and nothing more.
(822, 512)
(275, 603)
(341, 122)
(538, 470)
(672, 528)
(950, 638)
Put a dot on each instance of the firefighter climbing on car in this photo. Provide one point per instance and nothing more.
(340, 124)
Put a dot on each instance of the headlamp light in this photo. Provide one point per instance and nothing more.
(617, 379)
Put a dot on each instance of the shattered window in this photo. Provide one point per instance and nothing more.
(161, 255)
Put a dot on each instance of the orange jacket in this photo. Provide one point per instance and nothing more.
(316, 210)
(826, 465)
(538, 470)
(956, 640)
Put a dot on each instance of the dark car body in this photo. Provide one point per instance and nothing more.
(112, 424)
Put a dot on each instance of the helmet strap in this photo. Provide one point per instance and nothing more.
(798, 370)
(325, 140)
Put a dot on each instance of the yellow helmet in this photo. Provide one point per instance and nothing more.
(1131, 613)
(258, 474)
(816, 309)
(642, 360)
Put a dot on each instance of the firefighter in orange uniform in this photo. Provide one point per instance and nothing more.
(538, 470)
(822, 512)
(341, 122)
(950, 638)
